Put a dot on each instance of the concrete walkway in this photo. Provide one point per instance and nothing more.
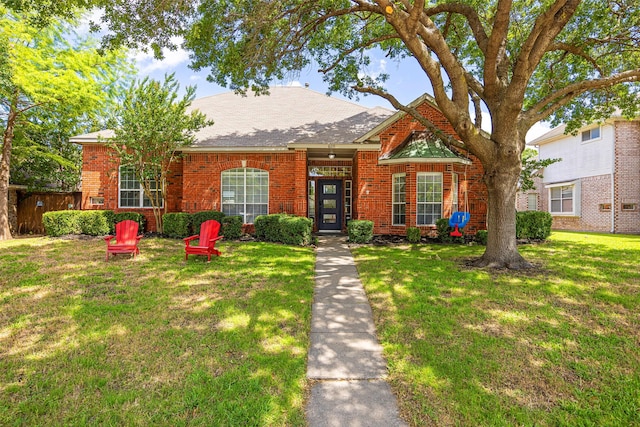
(345, 356)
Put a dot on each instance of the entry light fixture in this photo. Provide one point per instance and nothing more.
(331, 154)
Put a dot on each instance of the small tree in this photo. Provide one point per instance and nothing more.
(151, 126)
(532, 168)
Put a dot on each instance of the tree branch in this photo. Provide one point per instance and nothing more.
(470, 14)
(347, 52)
(575, 50)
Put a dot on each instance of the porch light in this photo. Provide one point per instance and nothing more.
(332, 156)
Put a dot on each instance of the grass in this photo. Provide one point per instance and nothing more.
(559, 346)
(155, 340)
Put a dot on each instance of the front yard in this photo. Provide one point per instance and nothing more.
(161, 341)
(557, 346)
(153, 341)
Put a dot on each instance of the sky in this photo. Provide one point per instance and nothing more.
(407, 81)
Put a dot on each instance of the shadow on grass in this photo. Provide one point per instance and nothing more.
(557, 346)
(153, 340)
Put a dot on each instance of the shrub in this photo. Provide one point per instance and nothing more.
(133, 216)
(95, 223)
(59, 223)
(443, 230)
(481, 237)
(295, 230)
(232, 227)
(200, 217)
(268, 227)
(360, 231)
(413, 234)
(533, 225)
(177, 224)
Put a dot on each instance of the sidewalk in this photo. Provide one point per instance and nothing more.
(345, 356)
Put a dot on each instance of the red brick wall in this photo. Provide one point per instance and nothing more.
(287, 179)
(627, 176)
(100, 179)
(373, 182)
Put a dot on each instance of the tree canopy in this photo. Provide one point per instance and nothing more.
(53, 84)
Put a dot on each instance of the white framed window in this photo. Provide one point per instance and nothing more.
(590, 134)
(130, 192)
(399, 199)
(429, 197)
(454, 192)
(245, 192)
(532, 202)
(561, 199)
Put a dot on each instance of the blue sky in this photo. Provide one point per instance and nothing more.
(407, 81)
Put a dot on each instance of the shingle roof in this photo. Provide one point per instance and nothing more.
(423, 146)
(286, 115)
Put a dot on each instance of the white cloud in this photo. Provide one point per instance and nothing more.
(379, 67)
(194, 77)
(147, 63)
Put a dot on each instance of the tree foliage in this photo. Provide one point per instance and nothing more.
(53, 82)
(150, 127)
(532, 167)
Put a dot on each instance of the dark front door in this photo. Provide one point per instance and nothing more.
(329, 205)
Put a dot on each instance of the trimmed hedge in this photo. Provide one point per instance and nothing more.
(93, 223)
(443, 230)
(133, 216)
(283, 228)
(199, 217)
(177, 224)
(360, 231)
(481, 237)
(232, 227)
(534, 225)
(413, 234)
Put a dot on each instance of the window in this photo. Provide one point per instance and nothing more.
(629, 206)
(590, 134)
(532, 202)
(96, 200)
(399, 199)
(312, 199)
(429, 198)
(131, 194)
(605, 207)
(561, 199)
(245, 192)
(454, 192)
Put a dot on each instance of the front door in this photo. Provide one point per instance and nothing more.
(329, 205)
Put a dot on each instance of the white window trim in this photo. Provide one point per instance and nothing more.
(575, 202)
(244, 214)
(586, 141)
(141, 197)
(439, 174)
(393, 202)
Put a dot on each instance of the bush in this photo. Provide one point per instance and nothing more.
(177, 224)
(295, 230)
(95, 223)
(360, 231)
(534, 225)
(59, 223)
(199, 217)
(133, 216)
(268, 227)
(443, 230)
(481, 237)
(232, 227)
(413, 234)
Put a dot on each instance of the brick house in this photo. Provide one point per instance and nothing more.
(596, 186)
(301, 152)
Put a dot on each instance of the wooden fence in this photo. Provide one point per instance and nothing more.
(31, 206)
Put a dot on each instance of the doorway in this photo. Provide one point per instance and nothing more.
(330, 209)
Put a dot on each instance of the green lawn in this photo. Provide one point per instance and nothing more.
(155, 340)
(556, 346)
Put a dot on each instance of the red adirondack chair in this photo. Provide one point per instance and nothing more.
(127, 239)
(206, 240)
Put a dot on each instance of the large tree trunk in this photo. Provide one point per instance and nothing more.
(5, 162)
(502, 186)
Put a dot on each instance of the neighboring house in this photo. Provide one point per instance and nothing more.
(596, 186)
(301, 152)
